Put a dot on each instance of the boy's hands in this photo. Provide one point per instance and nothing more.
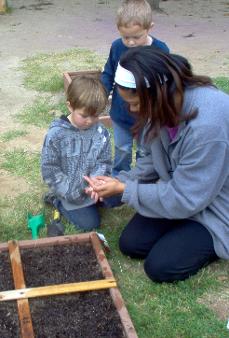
(90, 191)
(103, 186)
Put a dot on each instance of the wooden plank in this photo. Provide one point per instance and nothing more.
(69, 76)
(57, 289)
(19, 282)
(101, 258)
(16, 264)
(45, 242)
(114, 292)
(123, 313)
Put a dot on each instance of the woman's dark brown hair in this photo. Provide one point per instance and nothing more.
(168, 76)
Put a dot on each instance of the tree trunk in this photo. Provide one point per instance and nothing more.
(2, 6)
(154, 4)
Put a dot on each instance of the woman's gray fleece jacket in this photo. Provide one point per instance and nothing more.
(68, 154)
(193, 170)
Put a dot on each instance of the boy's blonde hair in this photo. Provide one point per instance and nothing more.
(136, 12)
(88, 93)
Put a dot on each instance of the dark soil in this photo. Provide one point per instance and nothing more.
(60, 264)
(6, 278)
(9, 325)
(85, 314)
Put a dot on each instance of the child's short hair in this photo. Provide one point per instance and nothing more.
(87, 92)
(136, 12)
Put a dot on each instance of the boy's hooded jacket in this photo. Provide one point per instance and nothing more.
(68, 154)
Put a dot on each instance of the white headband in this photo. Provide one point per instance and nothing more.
(125, 78)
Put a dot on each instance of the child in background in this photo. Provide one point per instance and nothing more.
(134, 22)
(77, 145)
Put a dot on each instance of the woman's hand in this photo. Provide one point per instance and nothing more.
(89, 190)
(104, 186)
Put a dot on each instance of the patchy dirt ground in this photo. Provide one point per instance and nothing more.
(197, 29)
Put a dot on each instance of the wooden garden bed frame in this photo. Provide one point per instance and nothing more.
(21, 293)
(69, 76)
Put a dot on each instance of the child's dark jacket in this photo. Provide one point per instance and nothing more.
(119, 110)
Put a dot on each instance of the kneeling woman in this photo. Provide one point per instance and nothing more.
(180, 189)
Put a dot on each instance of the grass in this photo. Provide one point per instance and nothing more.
(13, 215)
(23, 164)
(222, 83)
(44, 72)
(41, 112)
(157, 310)
(166, 310)
(12, 134)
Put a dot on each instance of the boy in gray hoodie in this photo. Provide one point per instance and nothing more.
(77, 145)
